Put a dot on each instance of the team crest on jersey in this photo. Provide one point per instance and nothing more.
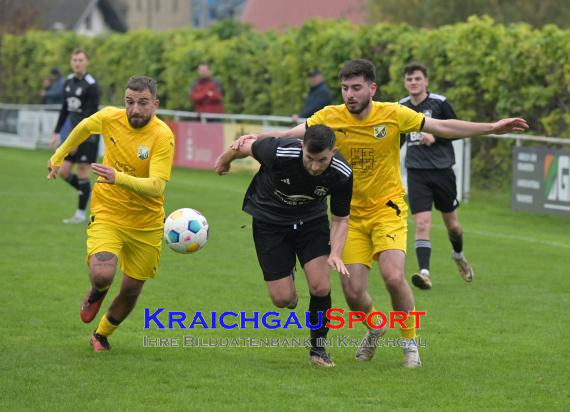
(143, 152)
(321, 191)
(78, 91)
(427, 113)
(380, 131)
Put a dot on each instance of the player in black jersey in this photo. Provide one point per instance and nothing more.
(287, 200)
(431, 180)
(81, 100)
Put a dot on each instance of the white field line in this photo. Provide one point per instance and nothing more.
(508, 236)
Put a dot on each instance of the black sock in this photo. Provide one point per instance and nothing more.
(73, 180)
(96, 295)
(84, 186)
(316, 305)
(113, 321)
(423, 253)
(456, 241)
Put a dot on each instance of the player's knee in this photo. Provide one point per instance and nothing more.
(353, 293)
(102, 273)
(102, 267)
(321, 289)
(394, 281)
(101, 279)
(282, 300)
(423, 225)
(64, 174)
(455, 230)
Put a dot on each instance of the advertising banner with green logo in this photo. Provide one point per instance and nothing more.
(541, 180)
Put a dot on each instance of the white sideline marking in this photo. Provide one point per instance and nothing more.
(513, 237)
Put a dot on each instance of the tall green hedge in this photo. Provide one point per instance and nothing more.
(486, 70)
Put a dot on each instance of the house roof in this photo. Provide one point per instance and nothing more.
(66, 14)
(265, 15)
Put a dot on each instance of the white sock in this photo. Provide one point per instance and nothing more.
(410, 343)
(457, 255)
(424, 272)
(80, 214)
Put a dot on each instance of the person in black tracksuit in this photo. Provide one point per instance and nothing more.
(431, 180)
(287, 200)
(81, 100)
(319, 96)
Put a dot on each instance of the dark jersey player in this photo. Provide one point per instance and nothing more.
(287, 200)
(431, 180)
(81, 100)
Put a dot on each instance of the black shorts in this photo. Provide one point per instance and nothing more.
(433, 186)
(277, 246)
(86, 152)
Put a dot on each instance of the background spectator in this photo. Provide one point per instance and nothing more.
(52, 88)
(319, 96)
(206, 92)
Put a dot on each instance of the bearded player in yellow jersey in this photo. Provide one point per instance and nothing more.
(368, 136)
(127, 212)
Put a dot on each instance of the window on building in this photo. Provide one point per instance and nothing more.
(89, 22)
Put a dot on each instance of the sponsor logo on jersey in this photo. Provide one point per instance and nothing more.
(143, 152)
(321, 191)
(73, 104)
(380, 131)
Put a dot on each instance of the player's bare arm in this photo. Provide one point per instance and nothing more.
(297, 131)
(223, 162)
(452, 128)
(339, 230)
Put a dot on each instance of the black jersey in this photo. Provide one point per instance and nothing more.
(440, 154)
(81, 100)
(284, 193)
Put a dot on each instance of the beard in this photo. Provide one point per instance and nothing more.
(138, 122)
(358, 108)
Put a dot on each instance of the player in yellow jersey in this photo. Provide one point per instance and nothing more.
(368, 136)
(127, 212)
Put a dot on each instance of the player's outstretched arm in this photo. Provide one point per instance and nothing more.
(297, 131)
(223, 162)
(339, 230)
(152, 186)
(77, 136)
(452, 128)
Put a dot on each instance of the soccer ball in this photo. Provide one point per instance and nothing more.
(186, 230)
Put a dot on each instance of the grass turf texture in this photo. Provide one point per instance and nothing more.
(500, 342)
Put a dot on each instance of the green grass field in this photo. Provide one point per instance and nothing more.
(498, 343)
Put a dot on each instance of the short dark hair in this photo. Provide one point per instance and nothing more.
(318, 138)
(358, 67)
(142, 83)
(79, 50)
(412, 67)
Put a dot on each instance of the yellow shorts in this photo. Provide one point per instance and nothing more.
(385, 229)
(138, 250)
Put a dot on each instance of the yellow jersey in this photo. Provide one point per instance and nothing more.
(372, 147)
(144, 152)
